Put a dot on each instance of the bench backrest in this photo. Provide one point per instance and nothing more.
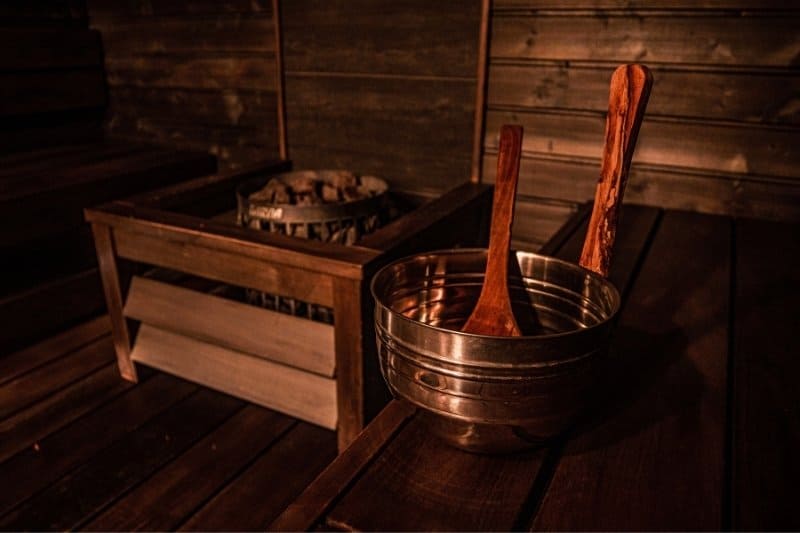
(52, 87)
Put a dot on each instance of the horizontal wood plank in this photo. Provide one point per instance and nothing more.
(747, 96)
(171, 34)
(535, 221)
(279, 337)
(707, 39)
(226, 267)
(185, 71)
(412, 37)
(572, 179)
(500, 5)
(129, 8)
(689, 145)
(301, 394)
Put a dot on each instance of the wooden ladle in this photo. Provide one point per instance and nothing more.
(492, 314)
(630, 89)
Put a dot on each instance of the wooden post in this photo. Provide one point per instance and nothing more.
(349, 342)
(109, 273)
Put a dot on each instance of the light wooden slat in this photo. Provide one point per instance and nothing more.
(691, 145)
(709, 39)
(279, 337)
(300, 394)
(226, 267)
(744, 95)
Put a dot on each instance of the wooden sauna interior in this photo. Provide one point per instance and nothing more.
(101, 100)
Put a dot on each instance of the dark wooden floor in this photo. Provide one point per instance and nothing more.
(82, 449)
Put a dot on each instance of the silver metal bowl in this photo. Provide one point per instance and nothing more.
(485, 393)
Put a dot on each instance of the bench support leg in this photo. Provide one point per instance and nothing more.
(109, 273)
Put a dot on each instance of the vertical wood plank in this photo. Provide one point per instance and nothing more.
(349, 342)
(480, 93)
(109, 273)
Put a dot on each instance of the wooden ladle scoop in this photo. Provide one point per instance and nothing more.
(493, 314)
(629, 92)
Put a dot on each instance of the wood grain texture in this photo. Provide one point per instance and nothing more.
(28, 388)
(56, 304)
(666, 403)
(682, 145)
(723, 76)
(290, 464)
(308, 509)
(278, 337)
(70, 447)
(492, 314)
(629, 92)
(411, 37)
(766, 417)
(714, 38)
(112, 288)
(59, 409)
(301, 394)
(94, 485)
(234, 444)
(171, 66)
(413, 65)
(423, 484)
(748, 95)
(662, 186)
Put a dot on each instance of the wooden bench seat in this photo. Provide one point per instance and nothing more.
(54, 162)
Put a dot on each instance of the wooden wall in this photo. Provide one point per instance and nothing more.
(721, 132)
(195, 74)
(382, 87)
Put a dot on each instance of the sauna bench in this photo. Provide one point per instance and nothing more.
(699, 431)
(182, 321)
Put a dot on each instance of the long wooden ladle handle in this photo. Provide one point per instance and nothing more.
(493, 313)
(630, 89)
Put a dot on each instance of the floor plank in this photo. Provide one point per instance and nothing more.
(18, 363)
(217, 459)
(766, 408)
(91, 487)
(664, 421)
(270, 484)
(59, 409)
(45, 461)
(58, 373)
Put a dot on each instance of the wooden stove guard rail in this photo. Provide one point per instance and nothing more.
(699, 431)
(166, 228)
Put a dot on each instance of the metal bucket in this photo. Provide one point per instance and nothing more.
(483, 393)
